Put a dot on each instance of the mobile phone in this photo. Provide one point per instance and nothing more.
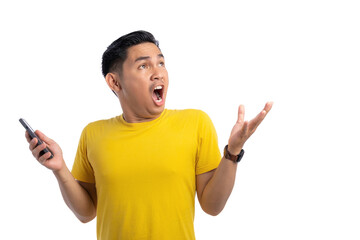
(33, 135)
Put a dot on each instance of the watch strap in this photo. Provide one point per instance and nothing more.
(231, 157)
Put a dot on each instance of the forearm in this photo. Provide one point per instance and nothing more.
(219, 187)
(75, 196)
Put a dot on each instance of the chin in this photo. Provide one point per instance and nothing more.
(157, 110)
(160, 109)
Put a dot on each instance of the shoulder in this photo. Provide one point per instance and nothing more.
(193, 113)
(191, 117)
(102, 122)
(99, 125)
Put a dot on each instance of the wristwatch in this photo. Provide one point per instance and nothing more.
(234, 158)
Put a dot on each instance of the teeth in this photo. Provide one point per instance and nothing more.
(157, 93)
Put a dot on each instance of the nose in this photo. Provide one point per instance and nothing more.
(158, 74)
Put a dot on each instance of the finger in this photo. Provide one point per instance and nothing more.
(33, 142)
(268, 106)
(28, 138)
(254, 123)
(241, 114)
(43, 158)
(42, 136)
(265, 111)
(36, 151)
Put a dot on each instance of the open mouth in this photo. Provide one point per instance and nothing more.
(158, 94)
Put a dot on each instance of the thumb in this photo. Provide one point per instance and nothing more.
(241, 114)
(43, 137)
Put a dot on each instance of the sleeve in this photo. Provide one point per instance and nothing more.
(82, 169)
(208, 153)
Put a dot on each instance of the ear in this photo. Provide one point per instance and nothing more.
(113, 81)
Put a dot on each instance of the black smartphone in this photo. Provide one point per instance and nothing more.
(33, 135)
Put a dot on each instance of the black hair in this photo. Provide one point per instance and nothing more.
(116, 54)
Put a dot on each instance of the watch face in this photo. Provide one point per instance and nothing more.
(241, 154)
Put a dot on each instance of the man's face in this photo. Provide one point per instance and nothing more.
(144, 81)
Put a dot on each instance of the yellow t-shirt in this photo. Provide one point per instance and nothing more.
(145, 173)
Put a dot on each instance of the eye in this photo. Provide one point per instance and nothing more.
(142, 66)
(162, 64)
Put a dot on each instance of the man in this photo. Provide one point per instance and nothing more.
(138, 172)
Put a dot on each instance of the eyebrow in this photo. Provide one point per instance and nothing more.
(147, 57)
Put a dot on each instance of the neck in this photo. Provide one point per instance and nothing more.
(134, 118)
(133, 114)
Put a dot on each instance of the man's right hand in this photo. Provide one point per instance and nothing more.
(57, 162)
(80, 197)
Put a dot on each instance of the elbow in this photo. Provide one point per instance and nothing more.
(82, 220)
(212, 214)
(212, 207)
(212, 211)
(86, 219)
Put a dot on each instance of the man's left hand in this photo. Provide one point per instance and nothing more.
(244, 129)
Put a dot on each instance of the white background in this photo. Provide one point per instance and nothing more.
(299, 178)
